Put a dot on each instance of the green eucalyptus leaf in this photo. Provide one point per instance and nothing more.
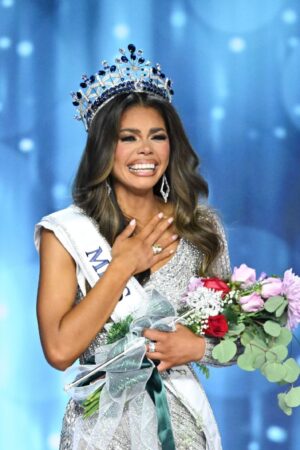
(292, 398)
(279, 311)
(259, 342)
(263, 369)
(293, 370)
(224, 351)
(281, 352)
(245, 362)
(272, 328)
(255, 349)
(273, 303)
(236, 329)
(275, 372)
(284, 337)
(282, 405)
(271, 357)
(282, 320)
(259, 360)
(246, 337)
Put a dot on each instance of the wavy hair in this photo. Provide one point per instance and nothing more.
(187, 186)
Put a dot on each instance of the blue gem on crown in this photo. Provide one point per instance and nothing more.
(130, 73)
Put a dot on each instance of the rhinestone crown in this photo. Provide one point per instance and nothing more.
(129, 73)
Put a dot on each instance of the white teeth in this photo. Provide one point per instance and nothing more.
(142, 167)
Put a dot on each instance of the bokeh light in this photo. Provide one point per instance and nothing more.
(26, 145)
(237, 44)
(178, 18)
(25, 48)
(121, 31)
(276, 434)
(289, 16)
(218, 113)
(5, 42)
(7, 3)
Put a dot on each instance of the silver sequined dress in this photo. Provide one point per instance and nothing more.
(171, 280)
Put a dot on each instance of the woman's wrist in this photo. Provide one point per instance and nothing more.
(201, 346)
(122, 267)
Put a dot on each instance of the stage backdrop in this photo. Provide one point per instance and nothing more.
(236, 68)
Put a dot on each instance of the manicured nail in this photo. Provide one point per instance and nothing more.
(132, 222)
(161, 215)
(175, 236)
(170, 220)
(171, 251)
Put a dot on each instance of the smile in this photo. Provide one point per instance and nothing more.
(142, 169)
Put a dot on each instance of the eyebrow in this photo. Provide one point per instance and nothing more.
(137, 131)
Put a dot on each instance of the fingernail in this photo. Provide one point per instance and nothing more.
(161, 215)
(175, 236)
(132, 222)
(170, 220)
(171, 251)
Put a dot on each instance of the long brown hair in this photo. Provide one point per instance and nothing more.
(187, 186)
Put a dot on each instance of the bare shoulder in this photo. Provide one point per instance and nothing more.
(51, 247)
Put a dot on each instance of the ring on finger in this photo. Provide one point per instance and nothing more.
(151, 348)
(156, 248)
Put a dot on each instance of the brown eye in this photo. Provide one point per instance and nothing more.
(160, 137)
(127, 138)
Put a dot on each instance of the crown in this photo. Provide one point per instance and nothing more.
(130, 73)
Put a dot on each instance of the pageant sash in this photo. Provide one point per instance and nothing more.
(92, 254)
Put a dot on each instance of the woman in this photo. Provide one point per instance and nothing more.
(138, 184)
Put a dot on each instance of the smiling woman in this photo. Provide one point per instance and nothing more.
(110, 139)
(142, 153)
(137, 223)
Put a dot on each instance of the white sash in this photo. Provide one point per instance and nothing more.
(92, 254)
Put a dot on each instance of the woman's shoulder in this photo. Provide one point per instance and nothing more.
(205, 211)
(65, 218)
(63, 214)
(207, 214)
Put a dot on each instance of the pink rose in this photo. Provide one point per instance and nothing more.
(271, 286)
(244, 275)
(194, 283)
(252, 302)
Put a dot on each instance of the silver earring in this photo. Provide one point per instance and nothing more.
(108, 187)
(164, 188)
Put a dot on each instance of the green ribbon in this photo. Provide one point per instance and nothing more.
(156, 390)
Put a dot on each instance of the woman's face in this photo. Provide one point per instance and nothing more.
(142, 151)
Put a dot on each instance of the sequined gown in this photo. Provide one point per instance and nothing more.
(171, 281)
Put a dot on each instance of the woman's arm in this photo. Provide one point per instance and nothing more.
(66, 330)
(183, 346)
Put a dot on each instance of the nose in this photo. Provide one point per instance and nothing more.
(145, 147)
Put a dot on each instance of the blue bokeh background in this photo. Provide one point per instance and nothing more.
(236, 69)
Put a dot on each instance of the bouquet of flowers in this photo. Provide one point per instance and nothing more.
(253, 319)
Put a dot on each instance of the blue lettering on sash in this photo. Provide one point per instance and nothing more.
(97, 262)
(125, 292)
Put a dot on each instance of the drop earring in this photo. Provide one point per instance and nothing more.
(164, 188)
(108, 187)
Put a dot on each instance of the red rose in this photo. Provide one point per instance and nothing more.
(217, 326)
(216, 284)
